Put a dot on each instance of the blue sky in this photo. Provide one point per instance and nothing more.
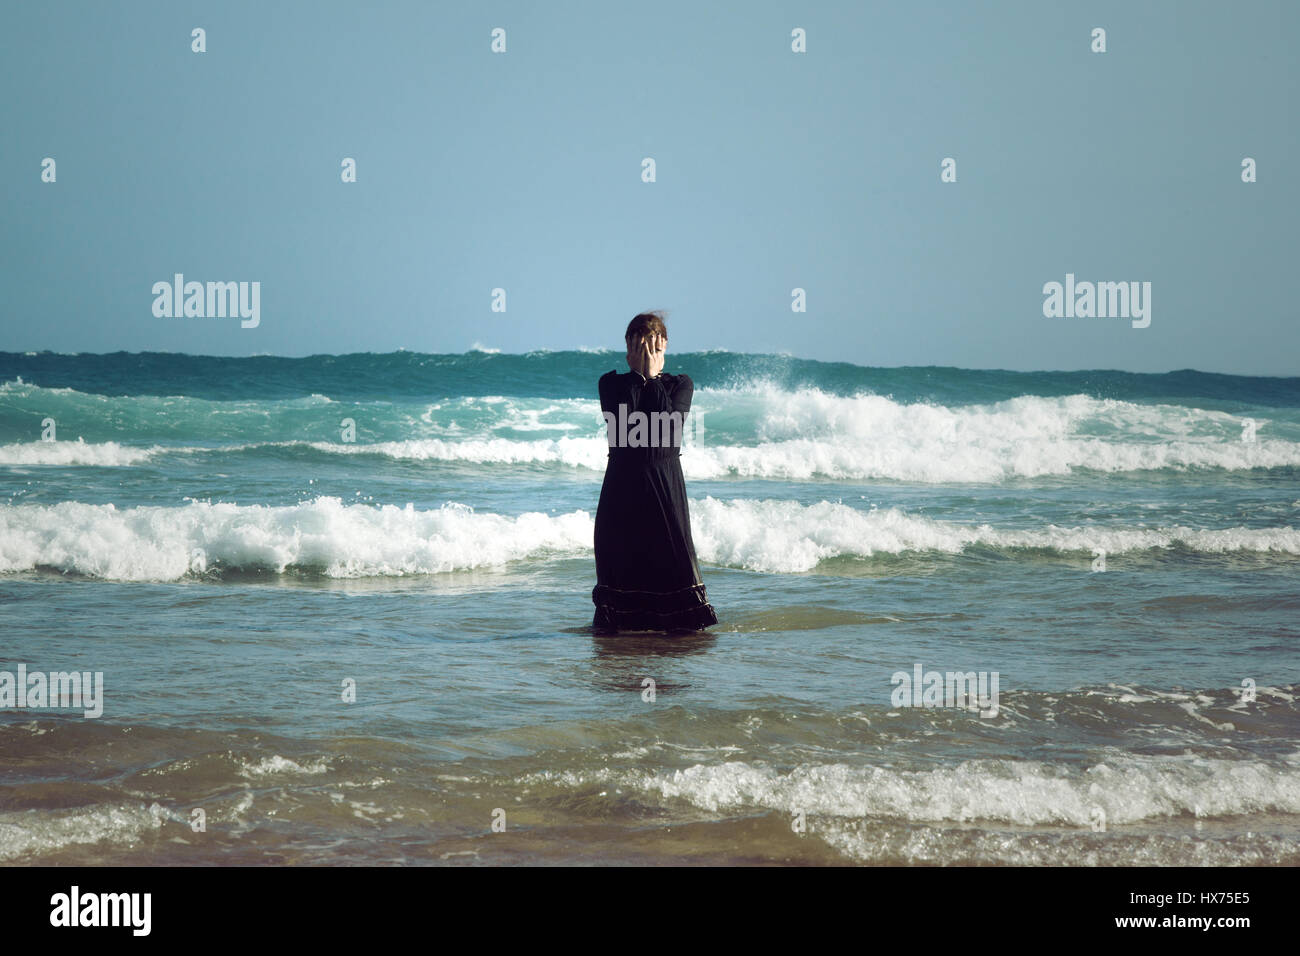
(775, 170)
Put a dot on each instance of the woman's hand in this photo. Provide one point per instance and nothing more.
(645, 355)
(635, 357)
(653, 346)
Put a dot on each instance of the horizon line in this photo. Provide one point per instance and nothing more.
(582, 350)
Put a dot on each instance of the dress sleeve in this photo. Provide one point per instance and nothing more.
(608, 386)
(682, 394)
(638, 395)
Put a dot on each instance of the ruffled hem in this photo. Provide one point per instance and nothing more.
(687, 609)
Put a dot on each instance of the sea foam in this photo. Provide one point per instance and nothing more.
(359, 540)
(758, 431)
(1127, 789)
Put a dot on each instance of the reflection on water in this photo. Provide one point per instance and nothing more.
(620, 660)
(616, 646)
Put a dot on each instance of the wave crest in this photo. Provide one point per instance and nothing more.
(360, 540)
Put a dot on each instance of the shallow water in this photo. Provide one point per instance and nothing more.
(227, 562)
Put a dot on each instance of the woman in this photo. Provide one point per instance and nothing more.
(646, 573)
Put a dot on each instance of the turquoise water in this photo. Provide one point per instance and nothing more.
(1122, 550)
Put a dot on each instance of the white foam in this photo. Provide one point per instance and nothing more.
(809, 433)
(277, 765)
(575, 452)
(762, 431)
(929, 461)
(1125, 789)
(361, 540)
(800, 460)
(103, 454)
(871, 841)
(23, 833)
(785, 536)
(156, 543)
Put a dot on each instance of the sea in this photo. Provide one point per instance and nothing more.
(336, 610)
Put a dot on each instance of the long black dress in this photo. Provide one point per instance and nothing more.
(646, 573)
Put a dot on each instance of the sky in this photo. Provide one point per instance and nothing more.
(774, 171)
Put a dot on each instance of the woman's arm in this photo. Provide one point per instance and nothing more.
(638, 394)
(682, 395)
(608, 387)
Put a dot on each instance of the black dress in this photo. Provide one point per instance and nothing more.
(646, 573)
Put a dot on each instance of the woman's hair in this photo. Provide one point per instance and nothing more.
(645, 324)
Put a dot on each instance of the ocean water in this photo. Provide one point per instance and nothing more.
(1121, 550)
